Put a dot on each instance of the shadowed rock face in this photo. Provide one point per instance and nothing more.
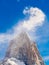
(20, 41)
(23, 49)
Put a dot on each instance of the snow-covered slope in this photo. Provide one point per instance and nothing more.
(12, 61)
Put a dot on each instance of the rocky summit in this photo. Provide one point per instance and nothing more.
(22, 51)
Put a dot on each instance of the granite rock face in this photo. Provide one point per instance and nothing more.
(24, 50)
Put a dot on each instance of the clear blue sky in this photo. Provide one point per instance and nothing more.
(11, 12)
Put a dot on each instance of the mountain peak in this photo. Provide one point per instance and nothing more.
(23, 49)
(21, 40)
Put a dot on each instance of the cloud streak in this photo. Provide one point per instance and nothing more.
(46, 58)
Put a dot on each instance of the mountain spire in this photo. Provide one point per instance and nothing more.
(23, 49)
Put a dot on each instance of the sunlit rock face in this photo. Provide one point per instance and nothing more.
(22, 49)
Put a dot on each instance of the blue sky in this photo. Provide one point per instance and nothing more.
(11, 12)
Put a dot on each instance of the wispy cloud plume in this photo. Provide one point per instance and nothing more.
(35, 18)
(46, 58)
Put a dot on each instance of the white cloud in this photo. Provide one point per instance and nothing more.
(35, 18)
(46, 58)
